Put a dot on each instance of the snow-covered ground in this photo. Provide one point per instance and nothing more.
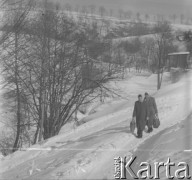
(88, 151)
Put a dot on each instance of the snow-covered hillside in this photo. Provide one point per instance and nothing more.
(88, 151)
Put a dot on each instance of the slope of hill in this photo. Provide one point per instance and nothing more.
(145, 6)
(87, 152)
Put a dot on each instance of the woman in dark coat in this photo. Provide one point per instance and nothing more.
(140, 113)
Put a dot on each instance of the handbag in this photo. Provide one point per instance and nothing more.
(132, 126)
(156, 122)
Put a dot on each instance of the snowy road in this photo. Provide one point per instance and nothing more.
(174, 143)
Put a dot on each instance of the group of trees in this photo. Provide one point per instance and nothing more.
(53, 63)
(150, 52)
(122, 14)
(125, 29)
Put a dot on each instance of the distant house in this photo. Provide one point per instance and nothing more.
(177, 64)
(179, 60)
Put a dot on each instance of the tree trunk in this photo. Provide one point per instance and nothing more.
(42, 117)
(158, 80)
(36, 135)
(16, 143)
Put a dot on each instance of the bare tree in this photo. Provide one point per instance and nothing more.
(84, 10)
(132, 50)
(111, 12)
(138, 16)
(146, 17)
(148, 51)
(121, 12)
(160, 17)
(164, 44)
(92, 8)
(9, 6)
(13, 45)
(129, 14)
(53, 65)
(68, 7)
(174, 17)
(182, 18)
(77, 8)
(102, 11)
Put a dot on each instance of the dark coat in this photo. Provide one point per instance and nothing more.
(151, 109)
(140, 112)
